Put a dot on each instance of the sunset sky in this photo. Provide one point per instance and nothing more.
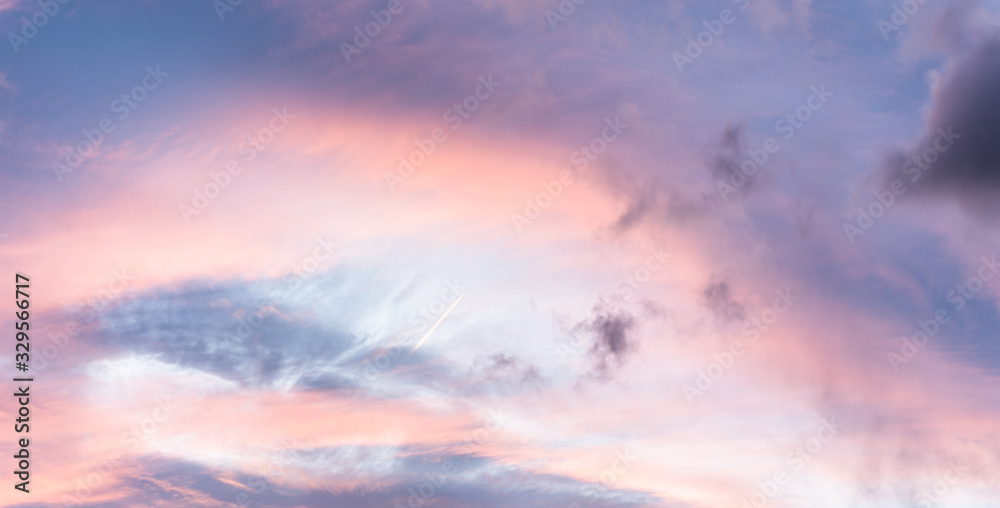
(504, 253)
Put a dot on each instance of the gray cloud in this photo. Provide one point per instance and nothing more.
(726, 156)
(718, 297)
(959, 155)
(506, 373)
(613, 340)
(225, 330)
(657, 201)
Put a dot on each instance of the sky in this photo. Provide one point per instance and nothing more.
(490, 254)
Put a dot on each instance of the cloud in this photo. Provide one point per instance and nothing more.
(4, 82)
(614, 341)
(771, 14)
(726, 156)
(469, 481)
(719, 299)
(506, 373)
(8, 5)
(254, 344)
(658, 202)
(960, 147)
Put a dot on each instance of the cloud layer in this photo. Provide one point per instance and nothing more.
(482, 254)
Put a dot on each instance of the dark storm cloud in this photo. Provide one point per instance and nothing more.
(959, 155)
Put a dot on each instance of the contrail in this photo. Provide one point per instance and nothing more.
(429, 332)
